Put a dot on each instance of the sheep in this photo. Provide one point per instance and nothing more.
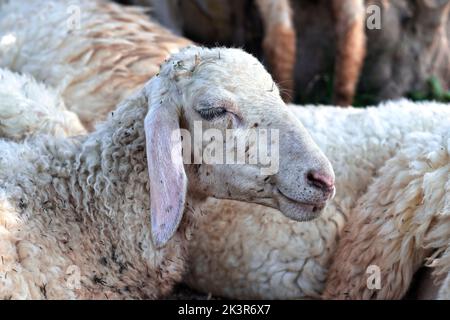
(312, 117)
(401, 223)
(95, 53)
(329, 33)
(74, 212)
(232, 23)
(28, 108)
(264, 255)
(34, 57)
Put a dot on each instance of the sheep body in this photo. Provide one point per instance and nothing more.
(28, 108)
(263, 255)
(58, 241)
(58, 203)
(95, 53)
(402, 220)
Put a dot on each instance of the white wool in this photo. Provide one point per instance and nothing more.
(28, 108)
(399, 223)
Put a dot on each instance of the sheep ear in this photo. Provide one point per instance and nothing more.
(168, 181)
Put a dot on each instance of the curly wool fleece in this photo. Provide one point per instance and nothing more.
(79, 207)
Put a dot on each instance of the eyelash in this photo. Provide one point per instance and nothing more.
(212, 113)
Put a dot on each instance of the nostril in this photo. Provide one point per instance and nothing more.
(320, 180)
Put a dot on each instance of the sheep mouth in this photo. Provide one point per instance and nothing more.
(299, 210)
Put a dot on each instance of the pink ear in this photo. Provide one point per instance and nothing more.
(168, 181)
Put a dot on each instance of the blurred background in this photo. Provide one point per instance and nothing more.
(342, 52)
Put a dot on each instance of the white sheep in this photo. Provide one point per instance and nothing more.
(401, 223)
(245, 251)
(28, 108)
(76, 220)
(95, 58)
(96, 53)
(353, 183)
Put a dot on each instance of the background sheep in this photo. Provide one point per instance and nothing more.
(245, 251)
(28, 108)
(403, 219)
(95, 52)
(62, 200)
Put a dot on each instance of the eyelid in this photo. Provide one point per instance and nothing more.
(205, 105)
(227, 105)
(232, 108)
(212, 113)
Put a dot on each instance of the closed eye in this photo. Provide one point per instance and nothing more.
(212, 113)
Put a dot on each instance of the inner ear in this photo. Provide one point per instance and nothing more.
(167, 177)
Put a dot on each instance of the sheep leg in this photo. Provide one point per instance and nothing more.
(351, 48)
(279, 42)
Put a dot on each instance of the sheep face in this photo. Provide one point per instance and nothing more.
(218, 127)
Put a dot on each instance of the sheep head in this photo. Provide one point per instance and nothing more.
(217, 127)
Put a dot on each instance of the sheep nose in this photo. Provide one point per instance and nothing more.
(321, 181)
